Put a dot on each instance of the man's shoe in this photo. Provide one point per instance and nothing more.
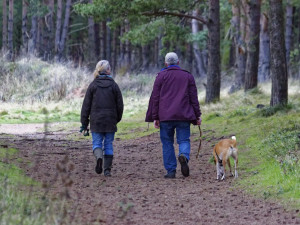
(184, 165)
(170, 175)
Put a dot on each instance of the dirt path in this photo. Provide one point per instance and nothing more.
(137, 193)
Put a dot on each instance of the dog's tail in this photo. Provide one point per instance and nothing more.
(234, 141)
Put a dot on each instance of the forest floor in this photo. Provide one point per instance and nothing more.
(137, 192)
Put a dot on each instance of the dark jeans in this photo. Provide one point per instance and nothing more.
(167, 130)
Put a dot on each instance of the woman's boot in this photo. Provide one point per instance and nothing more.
(98, 153)
(108, 159)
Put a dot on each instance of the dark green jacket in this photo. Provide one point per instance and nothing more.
(103, 105)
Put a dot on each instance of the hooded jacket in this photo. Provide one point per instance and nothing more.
(174, 97)
(103, 105)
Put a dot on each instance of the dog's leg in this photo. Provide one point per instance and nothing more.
(224, 168)
(235, 167)
(218, 171)
(229, 165)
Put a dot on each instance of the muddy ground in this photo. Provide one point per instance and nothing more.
(137, 193)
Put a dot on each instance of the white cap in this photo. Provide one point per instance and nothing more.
(171, 58)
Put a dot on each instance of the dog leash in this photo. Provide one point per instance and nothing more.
(200, 141)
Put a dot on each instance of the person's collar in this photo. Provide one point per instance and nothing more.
(105, 75)
(170, 67)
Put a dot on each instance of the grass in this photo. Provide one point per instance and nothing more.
(268, 143)
(18, 203)
(267, 137)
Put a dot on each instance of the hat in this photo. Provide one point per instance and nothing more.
(171, 58)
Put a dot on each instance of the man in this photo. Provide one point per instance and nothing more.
(174, 106)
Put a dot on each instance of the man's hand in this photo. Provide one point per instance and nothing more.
(199, 120)
(156, 124)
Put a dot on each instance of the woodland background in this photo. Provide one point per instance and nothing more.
(245, 57)
(250, 40)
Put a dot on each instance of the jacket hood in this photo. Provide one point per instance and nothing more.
(104, 81)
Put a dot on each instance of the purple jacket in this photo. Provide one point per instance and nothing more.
(174, 97)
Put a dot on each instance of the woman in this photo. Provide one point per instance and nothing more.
(103, 108)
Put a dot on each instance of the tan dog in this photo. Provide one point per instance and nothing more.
(222, 151)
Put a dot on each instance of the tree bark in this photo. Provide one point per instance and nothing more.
(91, 38)
(253, 45)
(24, 26)
(114, 50)
(40, 38)
(239, 25)
(279, 95)
(97, 40)
(33, 35)
(214, 61)
(288, 30)
(11, 29)
(4, 25)
(264, 50)
(145, 57)
(108, 43)
(58, 26)
(49, 29)
(200, 66)
(127, 55)
(103, 40)
(65, 29)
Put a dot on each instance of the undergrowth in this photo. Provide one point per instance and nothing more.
(268, 137)
(268, 141)
(20, 202)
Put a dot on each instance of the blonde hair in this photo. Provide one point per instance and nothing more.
(101, 67)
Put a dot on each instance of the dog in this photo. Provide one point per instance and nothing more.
(222, 152)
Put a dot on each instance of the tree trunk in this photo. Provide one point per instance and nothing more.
(91, 39)
(127, 55)
(114, 50)
(65, 29)
(103, 40)
(214, 61)
(33, 35)
(264, 50)
(288, 30)
(238, 23)
(49, 29)
(279, 74)
(200, 66)
(40, 38)
(299, 41)
(145, 57)
(253, 45)
(108, 43)
(232, 54)
(58, 26)
(24, 26)
(97, 40)
(11, 29)
(4, 25)
(160, 62)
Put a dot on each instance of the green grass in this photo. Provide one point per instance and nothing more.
(21, 201)
(64, 111)
(268, 143)
(267, 138)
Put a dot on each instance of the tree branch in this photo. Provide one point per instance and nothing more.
(163, 13)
